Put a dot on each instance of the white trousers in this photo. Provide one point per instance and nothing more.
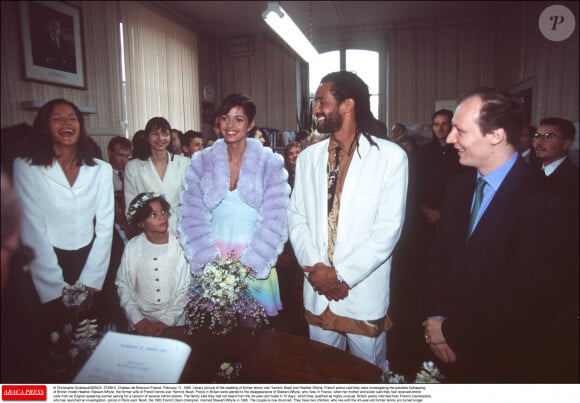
(370, 349)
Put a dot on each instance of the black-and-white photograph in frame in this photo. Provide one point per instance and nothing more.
(52, 43)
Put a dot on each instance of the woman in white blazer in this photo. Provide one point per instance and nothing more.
(154, 169)
(67, 209)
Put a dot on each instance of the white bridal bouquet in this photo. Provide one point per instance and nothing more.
(429, 373)
(221, 296)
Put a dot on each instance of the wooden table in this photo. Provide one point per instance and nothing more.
(270, 356)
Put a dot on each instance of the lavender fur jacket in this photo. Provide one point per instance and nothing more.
(263, 185)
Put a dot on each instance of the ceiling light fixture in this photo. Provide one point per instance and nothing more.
(282, 24)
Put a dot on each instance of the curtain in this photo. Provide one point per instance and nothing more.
(161, 69)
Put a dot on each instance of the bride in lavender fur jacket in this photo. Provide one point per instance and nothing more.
(234, 200)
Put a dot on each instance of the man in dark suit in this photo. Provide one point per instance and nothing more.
(119, 151)
(551, 144)
(52, 50)
(439, 161)
(502, 270)
(525, 146)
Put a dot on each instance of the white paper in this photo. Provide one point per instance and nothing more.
(128, 358)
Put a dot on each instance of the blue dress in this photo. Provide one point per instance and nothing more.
(233, 225)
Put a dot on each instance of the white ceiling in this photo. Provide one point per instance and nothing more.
(237, 18)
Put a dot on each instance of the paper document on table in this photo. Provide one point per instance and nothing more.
(128, 358)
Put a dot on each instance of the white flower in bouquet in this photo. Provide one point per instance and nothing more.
(71, 349)
(221, 296)
(74, 295)
(429, 373)
(229, 371)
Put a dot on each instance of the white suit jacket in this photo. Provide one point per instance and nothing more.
(141, 176)
(372, 209)
(56, 214)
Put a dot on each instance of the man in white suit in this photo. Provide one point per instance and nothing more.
(345, 217)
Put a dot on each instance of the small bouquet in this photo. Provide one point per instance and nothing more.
(429, 373)
(221, 296)
(74, 343)
(72, 348)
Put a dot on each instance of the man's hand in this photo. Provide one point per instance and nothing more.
(431, 215)
(444, 352)
(337, 293)
(436, 341)
(323, 279)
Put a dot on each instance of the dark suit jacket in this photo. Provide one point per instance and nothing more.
(564, 180)
(436, 165)
(505, 291)
(46, 54)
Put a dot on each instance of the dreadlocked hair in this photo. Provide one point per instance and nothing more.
(346, 84)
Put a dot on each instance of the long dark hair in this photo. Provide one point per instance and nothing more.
(348, 85)
(41, 151)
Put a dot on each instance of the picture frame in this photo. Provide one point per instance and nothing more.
(52, 43)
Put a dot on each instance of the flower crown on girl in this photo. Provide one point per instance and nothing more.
(140, 201)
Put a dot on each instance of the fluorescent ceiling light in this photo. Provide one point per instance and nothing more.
(280, 21)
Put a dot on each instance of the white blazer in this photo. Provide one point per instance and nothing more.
(372, 210)
(141, 176)
(56, 214)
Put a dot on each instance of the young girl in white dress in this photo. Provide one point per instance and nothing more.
(154, 278)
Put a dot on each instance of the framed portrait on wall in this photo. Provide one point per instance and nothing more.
(52, 43)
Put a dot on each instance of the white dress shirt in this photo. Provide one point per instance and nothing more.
(550, 168)
(117, 183)
(56, 214)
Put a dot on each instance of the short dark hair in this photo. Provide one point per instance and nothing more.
(41, 151)
(443, 112)
(566, 127)
(124, 142)
(499, 110)
(301, 135)
(190, 135)
(263, 130)
(179, 134)
(239, 100)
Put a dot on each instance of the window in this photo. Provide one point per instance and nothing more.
(365, 63)
(160, 76)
